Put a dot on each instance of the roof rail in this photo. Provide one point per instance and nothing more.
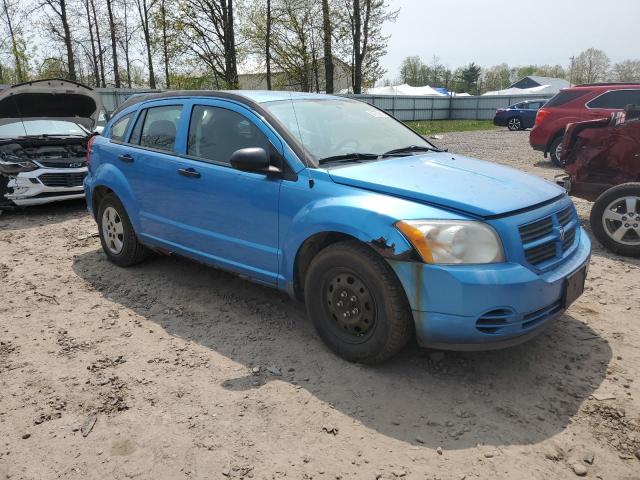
(604, 84)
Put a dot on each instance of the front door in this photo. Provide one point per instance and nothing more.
(200, 206)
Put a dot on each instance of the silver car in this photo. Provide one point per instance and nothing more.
(44, 129)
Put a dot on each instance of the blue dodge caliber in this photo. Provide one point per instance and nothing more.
(381, 234)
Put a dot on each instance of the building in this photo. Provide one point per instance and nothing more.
(554, 85)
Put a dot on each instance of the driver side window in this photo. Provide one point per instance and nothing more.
(215, 133)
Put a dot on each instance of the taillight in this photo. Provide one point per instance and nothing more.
(89, 143)
(541, 115)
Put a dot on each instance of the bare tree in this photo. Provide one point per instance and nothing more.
(94, 57)
(267, 44)
(58, 22)
(103, 80)
(591, 66)
(209, 34)
(9, 10)
(114, 50)
(145, 9)
(126, 38)
(328, 54)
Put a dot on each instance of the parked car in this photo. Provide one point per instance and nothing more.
(342, 206)
(519, 116)
(44, 129)
(603, 164)
(577, 104)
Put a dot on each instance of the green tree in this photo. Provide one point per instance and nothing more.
(469, 76)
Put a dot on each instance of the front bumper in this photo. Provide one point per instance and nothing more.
(499, 121)
(46, 185)
(452, 303)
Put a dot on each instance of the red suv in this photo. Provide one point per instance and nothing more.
(577, 104)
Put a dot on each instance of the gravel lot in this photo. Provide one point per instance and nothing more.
(172, 370)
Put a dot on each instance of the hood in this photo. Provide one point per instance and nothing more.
(461, 183)
(54, 98)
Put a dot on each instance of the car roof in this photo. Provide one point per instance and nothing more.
(248, 97)
(603, 86)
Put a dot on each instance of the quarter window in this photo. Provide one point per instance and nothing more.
(120, 127)
(159, 128)
(616, 99)
(215, 133)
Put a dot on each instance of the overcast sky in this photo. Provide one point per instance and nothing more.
(517, 32)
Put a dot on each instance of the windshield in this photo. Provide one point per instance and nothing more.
(22, 128)
(334, 127)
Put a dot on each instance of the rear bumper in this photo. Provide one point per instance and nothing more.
(539, 148)
(450, 303)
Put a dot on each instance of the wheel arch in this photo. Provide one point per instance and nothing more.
(315, 243)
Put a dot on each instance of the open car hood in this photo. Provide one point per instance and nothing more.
(53, 98)
(452, 181)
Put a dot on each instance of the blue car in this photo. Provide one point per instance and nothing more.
(519, 116)
(380, 233)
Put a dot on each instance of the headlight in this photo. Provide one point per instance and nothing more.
(453, 242)
(11, 165)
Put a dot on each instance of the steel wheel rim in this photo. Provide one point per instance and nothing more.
(559, 151)
(514, 124)
(621, 220)
(349, 306)
(112, 230)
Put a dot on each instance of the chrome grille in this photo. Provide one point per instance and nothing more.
(62, 179)
(548, 238)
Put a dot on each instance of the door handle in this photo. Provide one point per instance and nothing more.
(126, 158)
(189, 172)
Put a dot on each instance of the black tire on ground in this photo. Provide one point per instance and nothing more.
(553, 152)
(384, 312)
(132, 251)
(515, 123)
(619, 192)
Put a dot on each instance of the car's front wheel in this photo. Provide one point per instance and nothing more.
(514, 123)
(117, 236)
(615, 219)
(357, 304)
(555, 149)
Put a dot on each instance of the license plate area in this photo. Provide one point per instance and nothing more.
(574, 286)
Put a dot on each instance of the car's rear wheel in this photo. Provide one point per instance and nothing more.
(514, 123)
(615, 219)
(356, 303)
(117, 236)
(555, 149)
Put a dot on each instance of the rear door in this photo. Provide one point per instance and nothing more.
(612, 101)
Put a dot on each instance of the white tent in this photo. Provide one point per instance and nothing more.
(405, 89)
(542, 89)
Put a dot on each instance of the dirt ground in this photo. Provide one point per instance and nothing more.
(172, 370)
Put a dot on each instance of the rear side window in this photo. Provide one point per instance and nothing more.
(120, 127)
(566, 97)
(215, 133)
(159, 128)
(617, 99)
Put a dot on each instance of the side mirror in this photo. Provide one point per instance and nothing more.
(252, 159)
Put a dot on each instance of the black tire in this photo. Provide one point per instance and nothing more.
(390, 323)
(598, 222)
(514, 124)
(553, 152)
(132, 251)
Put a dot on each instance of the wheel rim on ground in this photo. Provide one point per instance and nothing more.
(514, 124)
(558, 151)
(621, 220)
(349, 305)
(112, 230)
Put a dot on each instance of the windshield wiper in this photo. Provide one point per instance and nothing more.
(413, 148)
(349, 157)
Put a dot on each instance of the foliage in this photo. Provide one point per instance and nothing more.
(432, 127)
